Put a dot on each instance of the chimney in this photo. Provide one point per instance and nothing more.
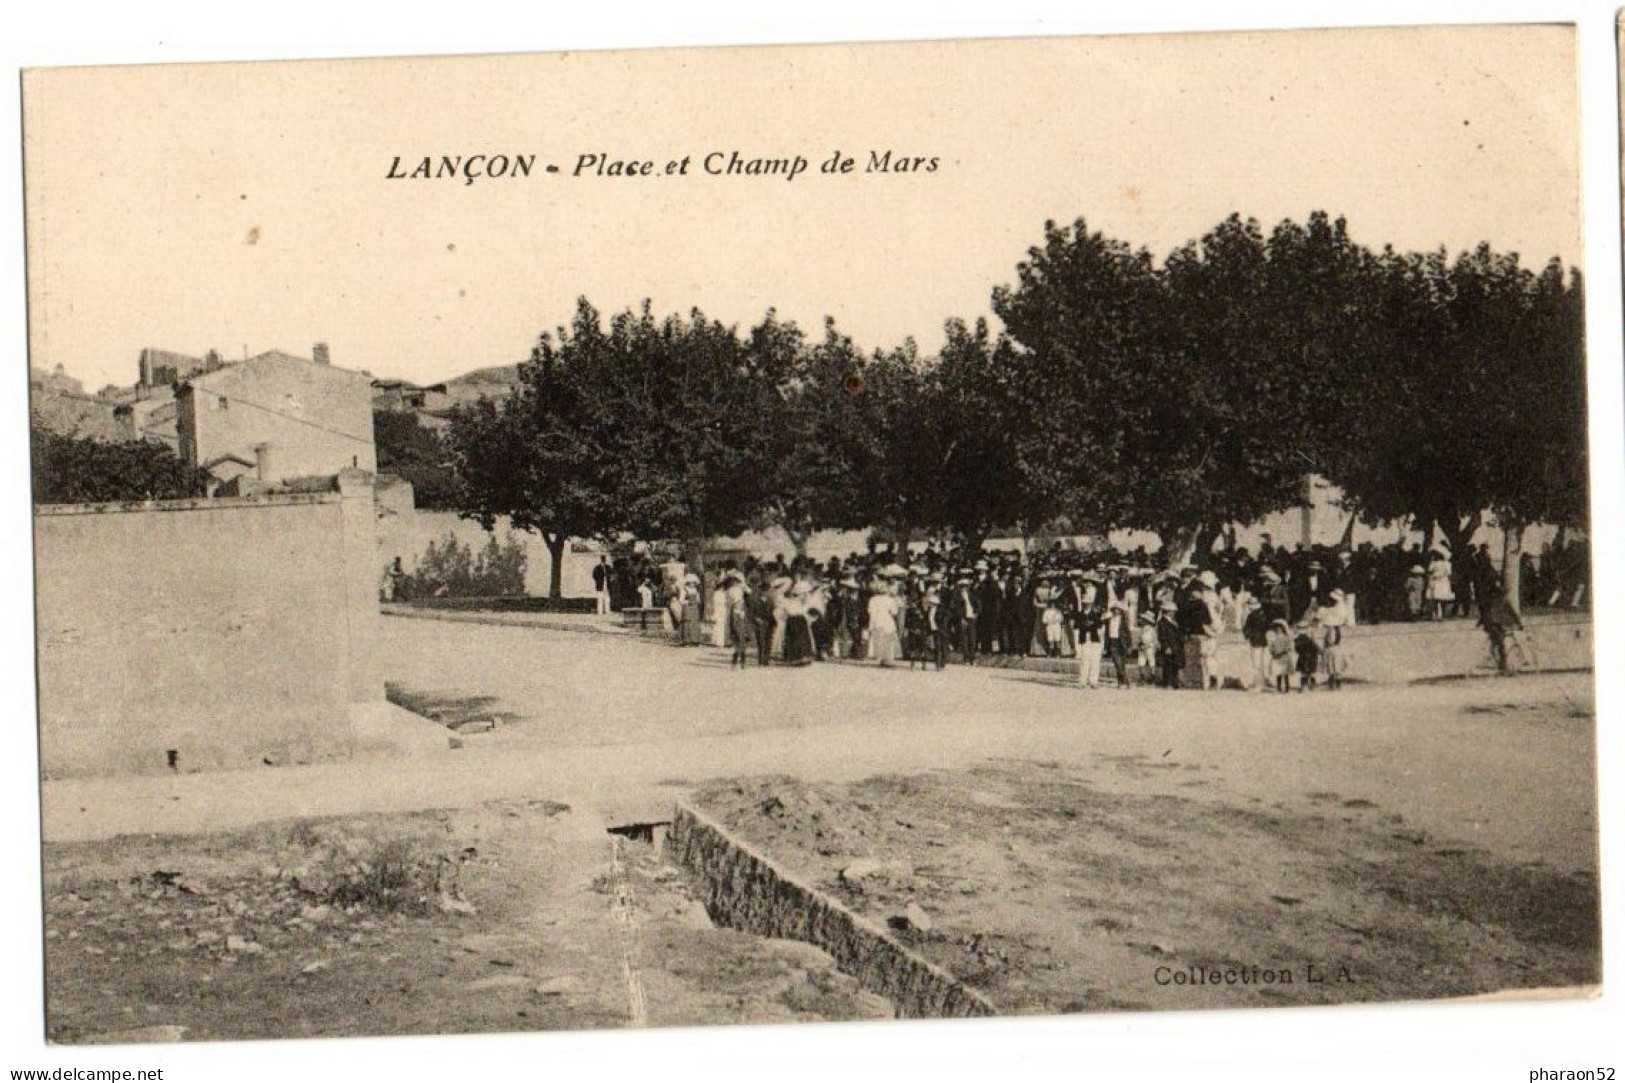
(265, 462)
(318, 354)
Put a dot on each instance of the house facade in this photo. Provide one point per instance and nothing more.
(277, 415)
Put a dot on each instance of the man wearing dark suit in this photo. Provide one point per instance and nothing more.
(963, 609)
(989, 609)
(1018, 614)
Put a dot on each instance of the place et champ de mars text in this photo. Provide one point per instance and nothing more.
(718, 163)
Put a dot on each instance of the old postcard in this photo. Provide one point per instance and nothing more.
(709, 536)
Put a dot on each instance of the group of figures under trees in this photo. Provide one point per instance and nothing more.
(1175, 396)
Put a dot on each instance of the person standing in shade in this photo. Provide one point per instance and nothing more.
(1119, 636)
(735, 615)
(936, 623)
(1501, 624)
(989, 609)
(964, 611)
(761, 618)
(1307, 648)
(600, 585)
(687, 607)
(1281, 659)
(798, 641)
(1087, 626)
(1441, 592)
(1170, 643)
(1255, 628)
(883, 612)
(717, 607)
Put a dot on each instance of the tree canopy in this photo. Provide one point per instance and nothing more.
(82, 470)
(1122, 392)
(415, 452)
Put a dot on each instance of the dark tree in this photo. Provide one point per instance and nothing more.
(654, 428)
(538, 457)
(83, 470)
(1087, 317)
(1263, 358)
(417, 453)
(1475, 399)
(969, 399)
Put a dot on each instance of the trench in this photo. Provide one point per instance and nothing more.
(743, 890)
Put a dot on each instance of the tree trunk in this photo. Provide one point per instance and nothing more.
(798, 539)
(1206, 535)
(1425, 526)
(1184, 543)
(1511, 561)
(1178, 544)
(1459, 534)
(694, 554)
(555, 553)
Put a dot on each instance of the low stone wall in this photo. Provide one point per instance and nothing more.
(510, 604)
(1428, 650)
(747, 892)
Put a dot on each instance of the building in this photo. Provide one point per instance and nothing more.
(166, 368)
(390, 394)
(150, 415)
(56, 381)
(278, 417)
(75, 415)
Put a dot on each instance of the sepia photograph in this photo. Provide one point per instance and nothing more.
(811, 533)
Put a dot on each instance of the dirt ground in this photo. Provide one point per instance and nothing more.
(1132, 882)
(1436, 840)
(221, 937)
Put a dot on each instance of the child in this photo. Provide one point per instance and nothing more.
(1148, 648)
(1053, 619)
(1170, 643)
(1281, 660)
(1308, 648)
(1329, 638)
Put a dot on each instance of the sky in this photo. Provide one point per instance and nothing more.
(247, 207)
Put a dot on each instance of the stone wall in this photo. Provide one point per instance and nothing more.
(408, 533)
(747, 892)
(231, 632)
(1425, 650)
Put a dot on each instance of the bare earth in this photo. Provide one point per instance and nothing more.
(1436, 840)
(1128, 884)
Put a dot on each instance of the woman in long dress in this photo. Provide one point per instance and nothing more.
(691, 631)
(719, 613)
(1330, 621)
(798, 644)
(1440, 593)
(883, 611)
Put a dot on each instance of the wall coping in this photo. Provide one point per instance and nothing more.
(225, 503)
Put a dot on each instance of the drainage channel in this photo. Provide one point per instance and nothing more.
(743, 890)
(626, 918)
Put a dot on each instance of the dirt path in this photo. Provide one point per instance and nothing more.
(619, 729)
(556, 925)
(1501, 771)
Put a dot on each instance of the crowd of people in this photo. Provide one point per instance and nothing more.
(1110, 611)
